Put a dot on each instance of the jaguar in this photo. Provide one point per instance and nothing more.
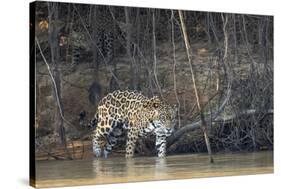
(133, 113)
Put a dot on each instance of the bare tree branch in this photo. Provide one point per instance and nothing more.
(93, 41)
(54, 84)
(189, 55)
(174, 67)
(154, 55)
(196, 125)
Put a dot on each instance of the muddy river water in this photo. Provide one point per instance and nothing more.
(118, 169)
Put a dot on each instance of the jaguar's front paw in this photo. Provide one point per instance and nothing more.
(129, 156)
(161, 155)
(105, 153)
(97, 152)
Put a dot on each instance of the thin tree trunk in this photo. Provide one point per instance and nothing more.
(53, 41)
(174, 67)
(128, 47)
(189, 54)
(154, 55)
(138, 59)
(93, 16)
(147, 46)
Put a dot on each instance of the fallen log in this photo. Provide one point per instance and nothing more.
(215, 119)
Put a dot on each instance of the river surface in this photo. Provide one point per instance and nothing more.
(118, 169)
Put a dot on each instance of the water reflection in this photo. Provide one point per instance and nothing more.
(120, 169)
(131, 168)
(160, 167)
(108, 167)
(96, 167)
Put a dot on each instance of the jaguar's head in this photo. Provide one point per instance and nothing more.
(166, 122)
(162, 116)
(152, 107)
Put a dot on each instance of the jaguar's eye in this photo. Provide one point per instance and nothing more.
(155, 105)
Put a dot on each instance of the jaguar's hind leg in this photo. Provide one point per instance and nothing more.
(116, 130)
(96, 141)
(98, 138)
